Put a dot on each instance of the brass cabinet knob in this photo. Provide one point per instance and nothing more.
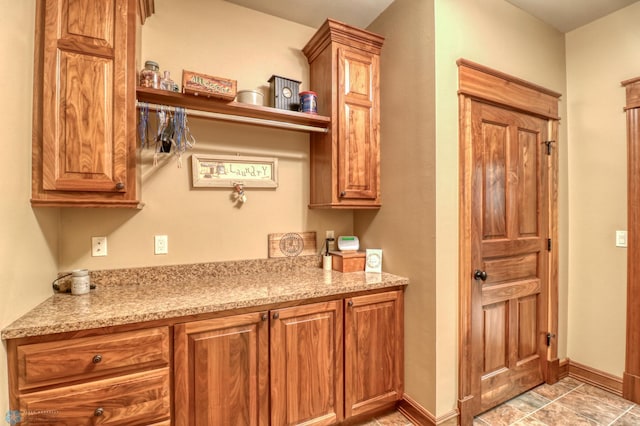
(350, 303)
(265, 317)
(119, 186)
(343, 194)
(276, 315)
(98, 412)
(97, 359)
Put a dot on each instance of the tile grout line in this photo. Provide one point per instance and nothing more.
(621, 415)
(547, 404)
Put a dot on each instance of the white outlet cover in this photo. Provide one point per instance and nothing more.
(161, 244)
(98, 246)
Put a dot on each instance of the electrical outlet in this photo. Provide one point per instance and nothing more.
(161, 244)
(98, 246)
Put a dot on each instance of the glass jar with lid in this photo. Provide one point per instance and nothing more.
(150, 75)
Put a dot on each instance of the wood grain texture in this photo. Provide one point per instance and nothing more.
(374, 343)
(631, 377)
(291, 244)
(222, 371)
(508, 209)
(478, 81)
(135, 399)
(307, 364)
(84, 99)
(62, 361)
(344, 71)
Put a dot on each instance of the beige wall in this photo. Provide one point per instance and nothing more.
(28, 240)
(222, 39)
(496, 34)
(405, 225)
(599, 56)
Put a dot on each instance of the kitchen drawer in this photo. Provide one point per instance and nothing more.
(62, 361)
(134, 399)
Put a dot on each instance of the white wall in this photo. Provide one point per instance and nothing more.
(599, 56)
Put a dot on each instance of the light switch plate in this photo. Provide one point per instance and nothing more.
(621, 238)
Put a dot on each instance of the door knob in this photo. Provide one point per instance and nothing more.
(479, 275)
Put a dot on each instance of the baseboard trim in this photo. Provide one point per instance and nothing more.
(566, 368)
(595, 377)
(421, 416)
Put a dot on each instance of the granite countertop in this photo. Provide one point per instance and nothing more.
(145, 294)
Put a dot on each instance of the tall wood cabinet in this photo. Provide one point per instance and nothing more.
(344, 64)
(84, 104)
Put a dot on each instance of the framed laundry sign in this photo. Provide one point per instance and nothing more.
(229, 170)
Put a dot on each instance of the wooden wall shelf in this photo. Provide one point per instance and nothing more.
(224, 110)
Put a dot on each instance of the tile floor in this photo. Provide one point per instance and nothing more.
(566, 403)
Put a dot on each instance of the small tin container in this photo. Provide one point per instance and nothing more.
(309, 102)
(80, 283)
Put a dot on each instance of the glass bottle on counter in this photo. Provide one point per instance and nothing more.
(166, 83)
(150, 75)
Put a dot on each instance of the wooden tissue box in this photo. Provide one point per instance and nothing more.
(347, 261)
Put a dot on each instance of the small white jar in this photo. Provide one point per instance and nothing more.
(80, 283)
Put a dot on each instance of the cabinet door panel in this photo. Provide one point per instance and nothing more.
(88, 21)
(358, 159)
(82, 156)
(221, 371)
(373, 352)
(306, 365)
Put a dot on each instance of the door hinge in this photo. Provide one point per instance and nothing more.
(549, 146)
(549, 337)
(548, 244)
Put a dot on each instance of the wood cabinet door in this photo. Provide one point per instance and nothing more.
(374, 351)
(306, 365)
(222, 371)
(84, 99)
(358, 119)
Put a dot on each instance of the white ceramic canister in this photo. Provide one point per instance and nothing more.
(80, 283)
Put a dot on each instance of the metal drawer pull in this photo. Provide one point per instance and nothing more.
(97, 359)
(99, 412)
(276, 315)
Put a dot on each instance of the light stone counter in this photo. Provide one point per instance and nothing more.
(145, 294)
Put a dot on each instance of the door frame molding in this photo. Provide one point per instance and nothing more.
(631, 376)
(477, 82)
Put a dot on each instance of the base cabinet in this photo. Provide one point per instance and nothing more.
(222, 371)
(306, 365)
(121, 378)
(374, 352)
(315, 364)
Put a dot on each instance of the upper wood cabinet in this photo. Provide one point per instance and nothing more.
(344, 72)
(84, 104)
